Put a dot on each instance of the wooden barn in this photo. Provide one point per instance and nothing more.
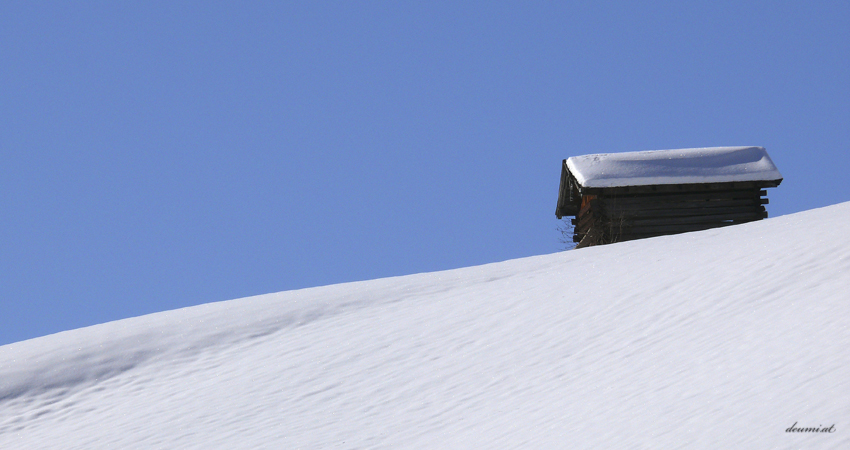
(624, 196)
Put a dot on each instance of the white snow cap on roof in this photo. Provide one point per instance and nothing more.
(687, 165)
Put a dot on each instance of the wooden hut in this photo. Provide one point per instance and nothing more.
(624, 196)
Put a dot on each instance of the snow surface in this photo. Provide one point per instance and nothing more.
(712, 340)
(688, 165)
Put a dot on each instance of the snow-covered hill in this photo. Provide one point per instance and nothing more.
(709, 340)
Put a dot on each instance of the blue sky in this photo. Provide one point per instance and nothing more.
(166, 154)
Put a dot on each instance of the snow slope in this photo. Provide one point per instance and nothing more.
(709, 340)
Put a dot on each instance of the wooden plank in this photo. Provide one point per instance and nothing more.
(569, 199)
(698, 203)
(679, 211)
(621, 209)
(566, 210)
(680, 207)
(760, 215)
(585, 208)
(632, 237)
(681, 228)
(694, 196)
(585, 222)
(670, 215)
(689, 220)
(689, 212)
(754, 215)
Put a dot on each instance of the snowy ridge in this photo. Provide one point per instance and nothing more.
(687, 165)
(717, 339)
(76, 358)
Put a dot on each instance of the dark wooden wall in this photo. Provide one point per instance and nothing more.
(608, 215)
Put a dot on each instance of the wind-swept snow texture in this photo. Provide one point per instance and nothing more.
(682, 166)
(712, 340)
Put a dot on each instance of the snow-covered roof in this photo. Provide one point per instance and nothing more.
(682, 166)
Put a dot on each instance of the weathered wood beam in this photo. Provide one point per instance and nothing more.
(701, 208)
(681, 197)
(714, 218)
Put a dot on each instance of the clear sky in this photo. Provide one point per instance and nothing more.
(157, 155)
